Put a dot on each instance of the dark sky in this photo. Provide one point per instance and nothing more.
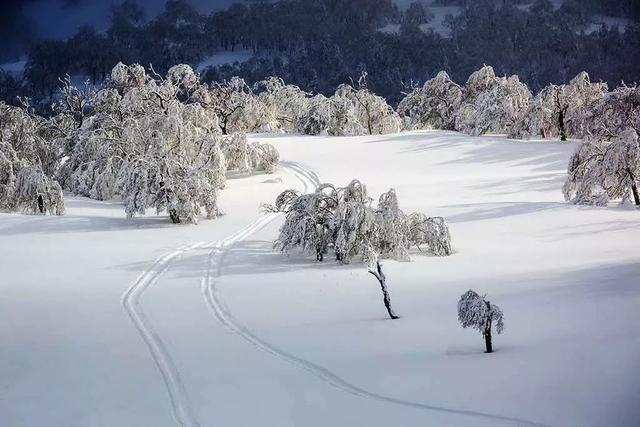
(21, 20)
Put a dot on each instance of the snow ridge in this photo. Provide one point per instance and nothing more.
(219, 310)
(181, 409)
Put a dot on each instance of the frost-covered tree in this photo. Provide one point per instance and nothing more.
(603, 170)
(433, 105)
(235, 105)
(316, 119)
(392, 233)
(611, 115)
(9, 166)
(282, 105)
(554, 111)
(28, 158)
(491, 104)
(308, 220)
(476, 312)
(352, 222)
(35, 193)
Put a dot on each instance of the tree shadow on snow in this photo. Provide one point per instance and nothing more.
(484, 211)
(87, 223)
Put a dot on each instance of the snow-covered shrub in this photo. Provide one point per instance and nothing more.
(347, 221)
(244, 157)
(237, 152)
(476, 312)
(35, 193)
(432, 232)
(264, 157)
(29, 156)
(603, 170)
(491, 104)
(433, 105)
(556, 110)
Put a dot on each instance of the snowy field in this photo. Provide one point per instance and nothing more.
(109, 322)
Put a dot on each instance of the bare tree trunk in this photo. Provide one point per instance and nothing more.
(378, 274)
(175, 218)
(487, 331)
(41, 204)
(634, 188)
(563, 131)
(487, 340)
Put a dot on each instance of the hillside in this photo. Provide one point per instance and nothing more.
(142, 322)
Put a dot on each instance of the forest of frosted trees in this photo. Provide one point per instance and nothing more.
(167, 142)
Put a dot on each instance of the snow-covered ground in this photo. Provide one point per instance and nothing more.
(105, 321)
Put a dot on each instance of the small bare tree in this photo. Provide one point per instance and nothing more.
(375, 269)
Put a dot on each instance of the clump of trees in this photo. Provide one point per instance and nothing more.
(153, 141)
(474, 311)
(554, 111)
(350, 111)
(346, 221)
(605, 167)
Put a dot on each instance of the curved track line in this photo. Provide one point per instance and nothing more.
(131, 302)
(309, 179)
(225, 317)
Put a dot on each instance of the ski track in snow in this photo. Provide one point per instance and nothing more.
(182, 411)
(219, 310)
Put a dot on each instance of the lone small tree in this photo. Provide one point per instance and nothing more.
(476, 312)
(375, 269)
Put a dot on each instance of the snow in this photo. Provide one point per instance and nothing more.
(223, 330)
(609, 22)
(225, 57)
(14, 68)
(437, 24)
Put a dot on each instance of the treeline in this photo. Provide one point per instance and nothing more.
(320, 44)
